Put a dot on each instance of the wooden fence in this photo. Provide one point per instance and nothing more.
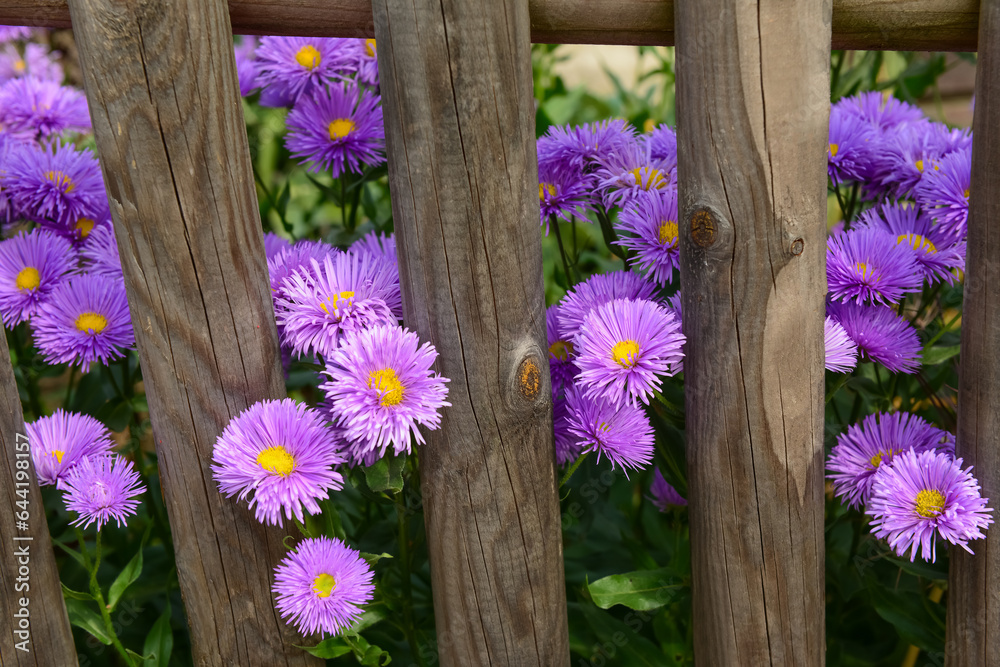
(752, 92)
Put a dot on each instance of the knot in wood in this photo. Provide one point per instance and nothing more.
(529, 378)
(798, 245)
(703, 228)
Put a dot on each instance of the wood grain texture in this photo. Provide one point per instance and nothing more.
(161, 83)
(973, 619)
(930, 25)
(50, 638)
(752, 184)
(459, 122)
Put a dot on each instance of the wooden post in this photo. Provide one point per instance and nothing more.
(753, 103)
(160, 78)
(27, 566)
(459, 118)
(973, 632)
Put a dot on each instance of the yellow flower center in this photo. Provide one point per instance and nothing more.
(561, 349)
(625, 353)
(92, 323)
(930, 503)
(59, 454)
(648, 125)
(347, 296)
(61, 180)
(666, 234)
(85, 226)
(966, 193)
(654, 178)
(917, 242)
(865, 270)
(308, 57)
(276, 460)
(20, 66)
(877, 459)
(324, 584)
(28, 278)
(919, 164)
(370, 47)
(833, 149)
(544, 188)
(388, 386)
(340, 128)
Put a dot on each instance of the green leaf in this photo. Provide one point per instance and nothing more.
(331, 647)
(920, 569)
(371, 559)
(77, 556)
(87, 619)
(76, 595)
(912, 620)
(160, 641)
(642, 590)
(367, 619)
(375, 657)
(937, 355)
(618, 641)
(386, 474)
(125, 578)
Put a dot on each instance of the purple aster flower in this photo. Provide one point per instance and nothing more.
(56, 188)
(881, 111)
(624, 174)
(379, 245)
(36, 62)
(338, 128)
(100, 252)
(944, 193)
(31, 265)
(274, 244)
(63, 440)
(662, 144)
(102, 488)
(841, 351)
(652, 220)
(562, 369)
(880, 334)
(85, 319)
(623, 348)
(596, 291)
(366, 62)
(563, 194)
(848, 150)
(9, 33)
(868, 265)
(622, 433)
(283, 452)
(32, 108)
(577, 148)
(382, 386)
(922, 496)
(665, 496)
(568, 445)
(296, 257)
(321, 586)
(346, 292)
(291, 67)
(935, 250)
(872, 444)
(246, 64)
(907, 153)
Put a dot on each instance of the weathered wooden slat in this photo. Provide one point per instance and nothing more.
(973, 632)
(752, 184)
(49, 639)
(459, 121)
(914, 25)
(161, 83)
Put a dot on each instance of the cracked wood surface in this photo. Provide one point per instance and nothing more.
(753, 103)
(161, 83)
(909, 25)
(459, 120)
(973, 618)
(51, 641)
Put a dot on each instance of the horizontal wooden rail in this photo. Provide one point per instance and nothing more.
(913, 25)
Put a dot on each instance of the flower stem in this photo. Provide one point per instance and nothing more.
(554, 223)
(572, 469)
(95, 591)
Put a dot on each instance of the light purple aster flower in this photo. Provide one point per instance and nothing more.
(382, 386)
(338, 128)
(935, 250)
(944, 193)
(366, 61)
(58, 188)
(274, 244)
(100, 252)
(85, 319)
(36, 62)
(102, 488)
(33, 108)
(291, 67)
(281, 451)
(623, 434)
(922, 496)
(907, 153)
(61, 441)
(246, 64)
(868, 265)
(346, 292)
(562, 369)
(577, 148)
(379, 245)
(624, 174)
(881, 111)
(596, 291)
(868, 446)
(321, 586)
(296, 257)
(850, 142)
(623, 348)
(568, 445)
(880, 334)
(9, 33)
(662, 143)
(563, 194)
(651, 219)
(841, 350)
(31, 265)
(665, 495)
